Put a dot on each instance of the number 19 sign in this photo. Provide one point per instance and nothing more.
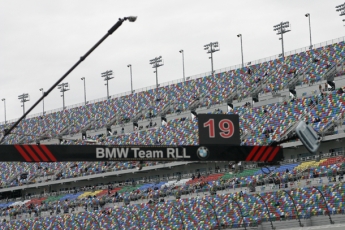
(219, 129)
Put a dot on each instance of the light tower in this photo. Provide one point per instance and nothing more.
(24, 98)
(184, 77)
(41, 89)
(84, 79)
(4, 100)
(341, 9)
(130, 71)
(107, 76)
(311, 44)
(240, 36)
(156, 63)
(281, 29)
(211, 48)
(63, 88)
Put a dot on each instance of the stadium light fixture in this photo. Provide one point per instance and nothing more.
(63, 88)
(41, 89)
(131, 18)
(240, 36)
(83, 79)
(184, 77)
(341, 9)
(81, 59)
(4, 100)
(281, 29)
(156, 63)
(211, 48)
(24, 98)
(107, 76)
(130, 71)
(311, 44)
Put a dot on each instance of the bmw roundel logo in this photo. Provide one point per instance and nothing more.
(203, 153)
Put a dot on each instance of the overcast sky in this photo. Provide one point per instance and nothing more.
(40, 40)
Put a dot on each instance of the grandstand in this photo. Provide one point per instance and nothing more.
(305, 190)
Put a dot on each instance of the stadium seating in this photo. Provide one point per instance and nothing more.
(272, 76)
(231, 210)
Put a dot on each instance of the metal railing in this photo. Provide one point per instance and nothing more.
(313, 157)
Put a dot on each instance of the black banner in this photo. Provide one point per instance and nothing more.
(222, 129)
(54, 153)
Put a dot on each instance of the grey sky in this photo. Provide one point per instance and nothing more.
(40, 40)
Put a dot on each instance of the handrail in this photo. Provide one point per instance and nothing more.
(324, 199)
(214, 211)
(293, 202)
(93, 217)
(117, 221)
(182, 219)
(34, 222)
(149, 209)
(155, 214)
(239, 208)
(74, 220)
(136, 217)
(268, 210)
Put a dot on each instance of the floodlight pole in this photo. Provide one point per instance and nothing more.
(156, 71)
(107, 89)
(41, 89)
(240, 36)
(4, 100)
(281, 30)
(311, 44)
(341, 8)
(267, 209)
(63, 88)
(212, 60)
(155, 64)
(211, 48)
(83, 79)
(282, 38)
(24, 98)
(130, 71)
(82, 58)
(184, 77)
(107, 76)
